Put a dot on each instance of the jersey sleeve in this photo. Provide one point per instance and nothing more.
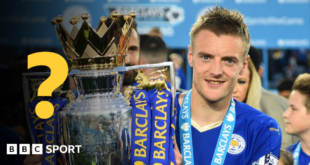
(268, 142)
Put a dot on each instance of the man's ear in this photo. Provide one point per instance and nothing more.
(190, 56)
(245, 65)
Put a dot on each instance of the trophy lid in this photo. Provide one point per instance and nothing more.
(100, 49)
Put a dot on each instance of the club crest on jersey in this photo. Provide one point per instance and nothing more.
(237, 144)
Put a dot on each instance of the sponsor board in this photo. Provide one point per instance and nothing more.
(208, 1)
(165, 1)
(250, 1)
(112, 1)
(293, 1)
(151, 14)
(259, 42)
(292, 42)
(272, 20)
(166, 31)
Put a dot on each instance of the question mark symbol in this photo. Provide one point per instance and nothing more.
(59, 73)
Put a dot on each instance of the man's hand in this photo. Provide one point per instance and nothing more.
(33, 159)
(177, 154)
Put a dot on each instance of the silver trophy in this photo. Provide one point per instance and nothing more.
(99, 118)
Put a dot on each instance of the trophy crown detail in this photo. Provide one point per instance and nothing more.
(90, 49)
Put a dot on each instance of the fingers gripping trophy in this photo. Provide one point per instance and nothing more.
(111, 128)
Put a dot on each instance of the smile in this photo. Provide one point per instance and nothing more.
(215, 82)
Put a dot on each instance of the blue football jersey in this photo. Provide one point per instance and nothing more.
(256, 139)
(304, 159)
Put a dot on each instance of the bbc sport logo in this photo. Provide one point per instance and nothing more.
(37, 149)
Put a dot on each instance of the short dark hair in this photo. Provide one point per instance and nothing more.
(255, 56)
(153, 49)
(135, 26)
(222, 21)
(285, 84)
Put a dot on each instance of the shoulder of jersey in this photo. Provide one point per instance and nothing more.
(246, 112)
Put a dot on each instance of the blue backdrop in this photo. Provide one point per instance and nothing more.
(272, 23)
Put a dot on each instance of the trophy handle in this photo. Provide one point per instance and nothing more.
(163, 64)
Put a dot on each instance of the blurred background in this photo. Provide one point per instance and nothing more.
(279, 29)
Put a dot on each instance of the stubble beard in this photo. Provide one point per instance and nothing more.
(199, 90)
(129, 78)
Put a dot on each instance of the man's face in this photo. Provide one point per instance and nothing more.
(217, 62)
(132, 57)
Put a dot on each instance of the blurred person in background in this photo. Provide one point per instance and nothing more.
(297, 119)
(132, 57)
(271, 104)
(153, 50)
(284, 87)
(248, 88)
(286, 158)
(179, 72)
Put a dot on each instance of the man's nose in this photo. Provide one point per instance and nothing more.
(127, 59)
(216, 69)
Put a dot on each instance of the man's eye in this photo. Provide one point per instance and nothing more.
(230, 61)
(132, 48)
(205, 57)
